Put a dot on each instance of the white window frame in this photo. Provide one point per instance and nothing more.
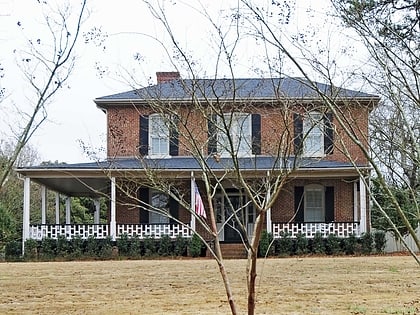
(154, 217)
(160, 136)
(242, 141)
(313, 133)
(308, 207)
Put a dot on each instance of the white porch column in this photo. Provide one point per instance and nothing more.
(43, 204)
(26, 211)
(113, 223)
(68, 209)
(57, 208)
(96, 215)
(363, 210)
(356, 203)
(268, 197)
(192, 187)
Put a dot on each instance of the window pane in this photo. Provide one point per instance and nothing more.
(240, 133)
(159, 136)
(161, 201)
(314, 205)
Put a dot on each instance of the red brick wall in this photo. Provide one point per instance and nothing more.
(284, 208)
(276, 131)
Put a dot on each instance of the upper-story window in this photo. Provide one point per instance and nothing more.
(158, 136)
(314, 135)
(244, 130)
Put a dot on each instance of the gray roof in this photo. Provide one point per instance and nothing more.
(252, 88)
(190, 163)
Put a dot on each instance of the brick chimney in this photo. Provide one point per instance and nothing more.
(167, 76)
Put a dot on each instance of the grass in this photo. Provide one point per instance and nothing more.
(320, 285)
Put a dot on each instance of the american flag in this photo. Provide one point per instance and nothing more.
(199, 206)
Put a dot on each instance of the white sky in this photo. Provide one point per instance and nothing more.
(73, 115)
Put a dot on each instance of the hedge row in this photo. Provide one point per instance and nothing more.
(91, 248)
(366, 244)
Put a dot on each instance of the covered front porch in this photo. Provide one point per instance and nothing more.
(95, 180)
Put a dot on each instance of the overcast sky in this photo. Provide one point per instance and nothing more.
(73, 116)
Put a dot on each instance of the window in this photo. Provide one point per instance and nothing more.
(239, 125)
(161, 201)
(314, 134)
(158, 136)
(314, 203)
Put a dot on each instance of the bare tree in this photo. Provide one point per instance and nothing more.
(46, 64)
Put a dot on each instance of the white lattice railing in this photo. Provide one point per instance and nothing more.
(340, 229)
(153, 230)
(69, 231)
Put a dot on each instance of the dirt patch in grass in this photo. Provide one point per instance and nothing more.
(322, 285)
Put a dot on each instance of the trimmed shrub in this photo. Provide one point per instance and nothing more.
(366, 242)
(301, 244)
(284, 245)
(266, 248)
(48, 248)
(195, 246)
(13, 251)
(380, 241)
(181, 245)
(136, 247)
(31, 249)
(332, 245)
(165, 246)
(77, 247)
(350, 245)
(318, 246)
(123, 244)
(63, 246)
(91, 247)
(149, 246)
(105, 248)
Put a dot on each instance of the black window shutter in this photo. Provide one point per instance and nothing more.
(299, 204)
(329, 204)
(143, 194)
(298, 133)
(256, 133)
(212, 135)
(173, 137)
(173, 209)
(144, 135)
(328, 134)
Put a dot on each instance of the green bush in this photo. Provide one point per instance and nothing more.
(380, 241)
(284, 245)
(48, 248)
(366, 242)
(301, 244)
(64, 248)
(31, 249)
(91, 247)
(332, 245)
(318, 246)
(77, 247)
(136, 247)
(180, 247)
(13, 250)
(266, 247)
(104, 247)
(149, 246)
(350, 245)
(195, 246)
(124, 244)
(165, 246)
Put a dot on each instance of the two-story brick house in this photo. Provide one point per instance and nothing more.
(273, 124)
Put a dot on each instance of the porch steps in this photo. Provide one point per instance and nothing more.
(232, 251)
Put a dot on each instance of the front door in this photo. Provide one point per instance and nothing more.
(228, 225)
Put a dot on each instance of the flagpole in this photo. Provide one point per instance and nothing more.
(192, 188)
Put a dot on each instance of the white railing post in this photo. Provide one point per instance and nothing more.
(26, 211)
(113, 223)
(363, 222)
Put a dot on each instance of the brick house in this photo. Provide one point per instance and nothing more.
(324, 192)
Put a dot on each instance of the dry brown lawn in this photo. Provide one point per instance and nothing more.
(328, 285)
